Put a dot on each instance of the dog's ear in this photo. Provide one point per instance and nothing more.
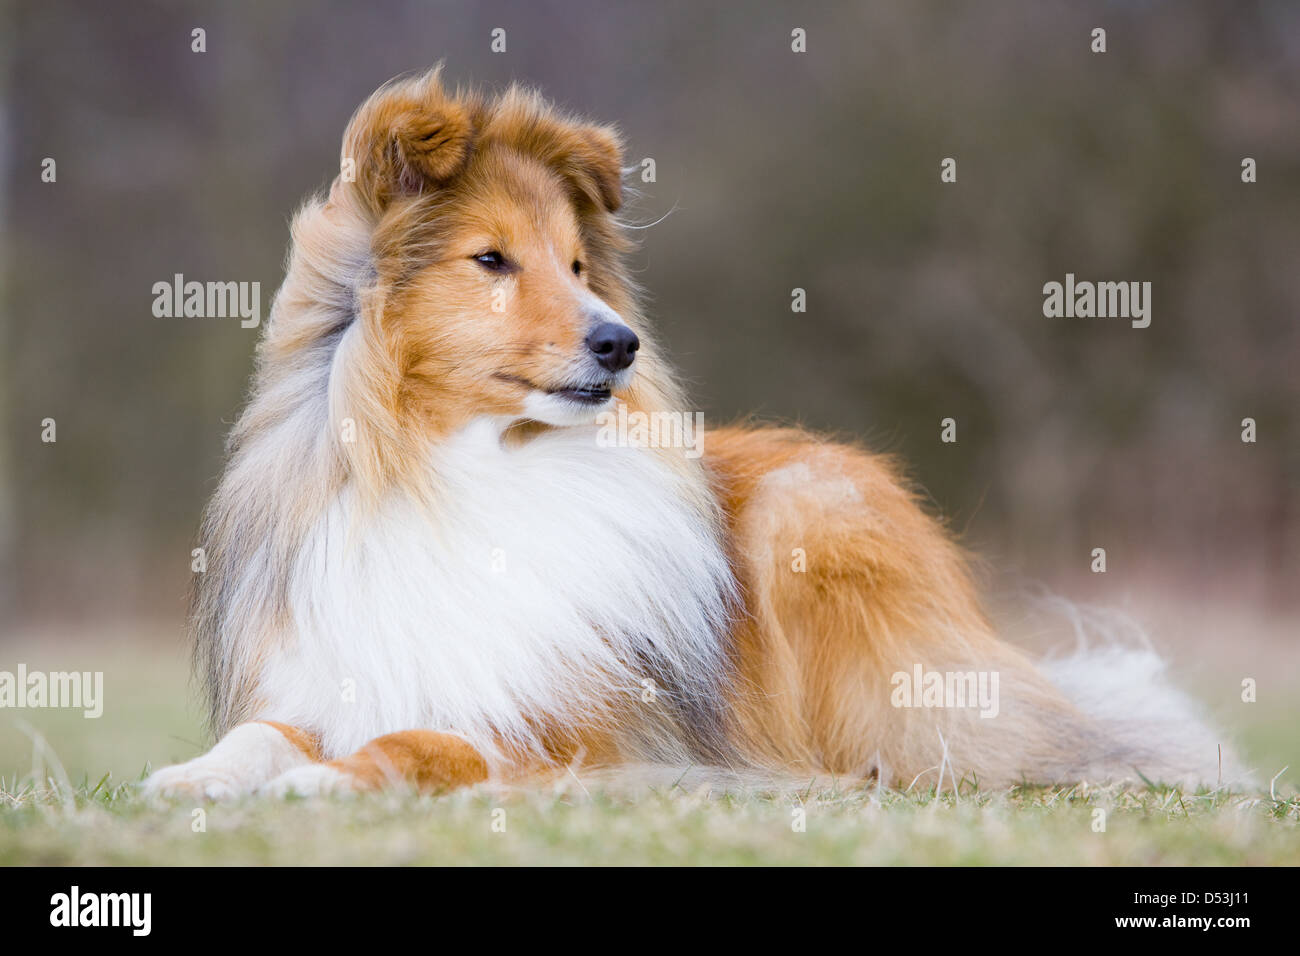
(587, 156)
(406, 139)
(593, 161)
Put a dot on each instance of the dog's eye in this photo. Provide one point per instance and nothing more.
(492, 261)
(577, 267)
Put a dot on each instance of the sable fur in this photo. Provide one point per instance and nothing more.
(367, 560)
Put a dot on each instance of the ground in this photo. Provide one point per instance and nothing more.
(1042, 826)
(67, 797)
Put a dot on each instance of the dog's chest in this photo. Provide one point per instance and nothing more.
(554, 575)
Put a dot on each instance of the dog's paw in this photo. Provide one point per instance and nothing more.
(311, 780)
(196, 780)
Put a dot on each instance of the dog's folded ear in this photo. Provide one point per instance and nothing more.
(595, 164)
(587, 156)
(406, 139)
(411, 137)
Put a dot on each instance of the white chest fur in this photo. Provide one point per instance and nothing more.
(549, 577)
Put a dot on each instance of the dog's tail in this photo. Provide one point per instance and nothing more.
(1139, 724)
(1104, 712)
(1134, 723)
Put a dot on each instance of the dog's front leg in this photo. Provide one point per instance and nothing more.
(243, 760)
(424, 759)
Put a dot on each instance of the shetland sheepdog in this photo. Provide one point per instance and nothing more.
(425, 567)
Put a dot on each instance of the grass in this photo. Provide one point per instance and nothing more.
(110, 825)
(67, 796)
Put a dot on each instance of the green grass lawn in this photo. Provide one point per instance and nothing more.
(67, 797)
(1039, 826)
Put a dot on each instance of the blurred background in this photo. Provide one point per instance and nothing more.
(774, 170)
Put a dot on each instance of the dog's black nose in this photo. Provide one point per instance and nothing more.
(614, 345)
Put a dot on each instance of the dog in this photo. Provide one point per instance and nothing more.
(425, 567)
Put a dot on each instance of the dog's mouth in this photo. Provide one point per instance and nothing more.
(583, 394)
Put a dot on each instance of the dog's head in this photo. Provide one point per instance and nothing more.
(497, 259)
